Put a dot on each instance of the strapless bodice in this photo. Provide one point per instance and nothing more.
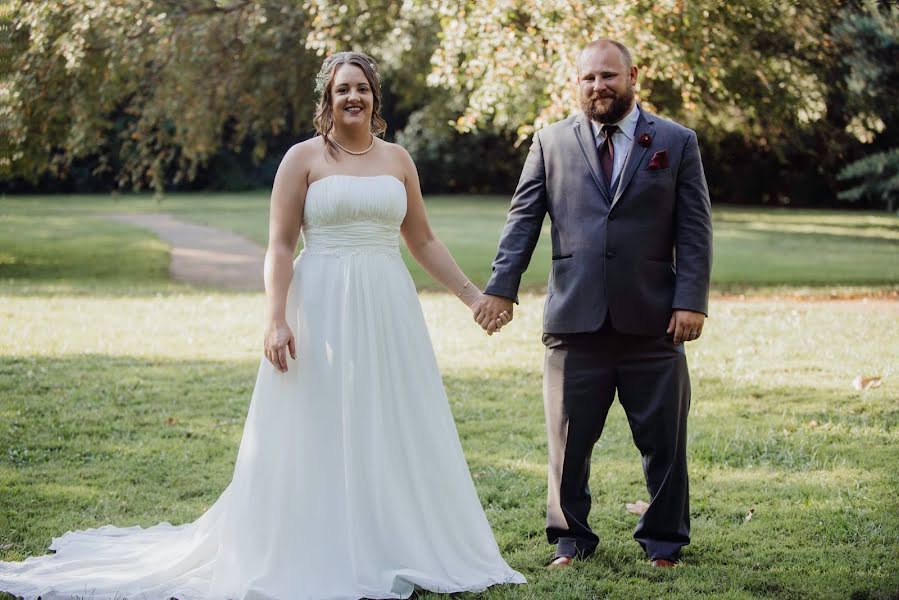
(349, 214)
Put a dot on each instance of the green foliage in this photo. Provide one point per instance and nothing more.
(760, 81)
(163, 84)
(447, 160)
(167, 94)
(880, 174)
(870, 35)
(728, 65)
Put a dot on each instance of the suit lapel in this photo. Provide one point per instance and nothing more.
(584, 134)
(635, 157)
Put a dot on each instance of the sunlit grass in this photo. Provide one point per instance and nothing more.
(130, 409)
(755, 249)
(123, 397)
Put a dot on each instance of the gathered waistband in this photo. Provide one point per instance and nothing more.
(351, 238)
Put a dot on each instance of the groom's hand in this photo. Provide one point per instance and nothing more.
(686, 325)
(491, 312)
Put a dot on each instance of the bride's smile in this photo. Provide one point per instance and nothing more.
(352, 98)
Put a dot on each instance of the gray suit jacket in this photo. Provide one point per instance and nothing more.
(634, 254)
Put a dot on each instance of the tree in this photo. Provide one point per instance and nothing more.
(731, 66)
(157, 85)
(760, 81)
(153, 90)
(869, 36)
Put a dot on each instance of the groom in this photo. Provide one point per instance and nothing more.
(632, 243)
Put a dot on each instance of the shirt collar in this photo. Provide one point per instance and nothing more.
(627, 125)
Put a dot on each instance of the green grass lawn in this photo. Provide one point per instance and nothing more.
(754, 248)
(123, 397)
(129, 410)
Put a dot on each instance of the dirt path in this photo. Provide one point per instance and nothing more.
(204, 255)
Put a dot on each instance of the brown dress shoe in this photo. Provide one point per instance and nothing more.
(664, 562)
(560, 562)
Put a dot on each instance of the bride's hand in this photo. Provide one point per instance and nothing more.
(278, 342)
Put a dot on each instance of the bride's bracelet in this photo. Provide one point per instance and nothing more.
(459, 293)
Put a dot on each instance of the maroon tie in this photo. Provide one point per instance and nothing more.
(607, 153)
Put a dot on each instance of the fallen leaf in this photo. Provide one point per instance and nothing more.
(813, 423)
(866, 383)
(170, 421)
(749, 515)
(637, 508)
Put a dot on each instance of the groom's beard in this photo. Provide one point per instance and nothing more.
(616, 110)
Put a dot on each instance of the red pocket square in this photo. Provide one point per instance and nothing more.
(659, 160)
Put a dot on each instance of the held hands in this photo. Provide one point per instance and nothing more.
(279, 341)
(686, 325)
(491, 312)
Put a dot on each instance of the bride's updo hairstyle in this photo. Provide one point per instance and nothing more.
(324, 112)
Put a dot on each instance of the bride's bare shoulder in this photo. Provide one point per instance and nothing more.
(397, 152)
(300, 158)
(400, 156)
(305, 149)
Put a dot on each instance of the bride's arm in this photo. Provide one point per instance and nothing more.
(425, 247)
(285, 218)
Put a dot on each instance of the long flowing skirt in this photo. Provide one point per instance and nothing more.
(350, 481)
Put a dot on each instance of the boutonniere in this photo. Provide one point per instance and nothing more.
(645, 140)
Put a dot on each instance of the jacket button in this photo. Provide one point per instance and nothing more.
(610, 255)
(611, 217)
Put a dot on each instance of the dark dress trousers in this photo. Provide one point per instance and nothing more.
(625, 255)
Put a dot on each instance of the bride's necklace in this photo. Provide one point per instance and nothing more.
(360, 153)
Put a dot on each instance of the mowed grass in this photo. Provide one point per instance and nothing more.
(753, 248)
(129, 410)
(123, 397)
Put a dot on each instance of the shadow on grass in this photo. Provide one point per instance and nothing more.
(77, 252)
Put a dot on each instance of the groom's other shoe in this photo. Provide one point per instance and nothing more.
(664, 563)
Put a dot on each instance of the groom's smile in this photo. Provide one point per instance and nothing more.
(605, 84)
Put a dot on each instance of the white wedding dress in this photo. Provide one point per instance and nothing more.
(350, 481)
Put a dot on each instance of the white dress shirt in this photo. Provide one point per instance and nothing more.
(622, 140)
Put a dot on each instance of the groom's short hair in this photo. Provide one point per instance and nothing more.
(626, 57)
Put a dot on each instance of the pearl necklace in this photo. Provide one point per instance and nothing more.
(370, 146)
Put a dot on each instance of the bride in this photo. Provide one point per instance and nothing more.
(350, 481)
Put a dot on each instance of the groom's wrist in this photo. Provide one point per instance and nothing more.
(513, 298)
(504, 286)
